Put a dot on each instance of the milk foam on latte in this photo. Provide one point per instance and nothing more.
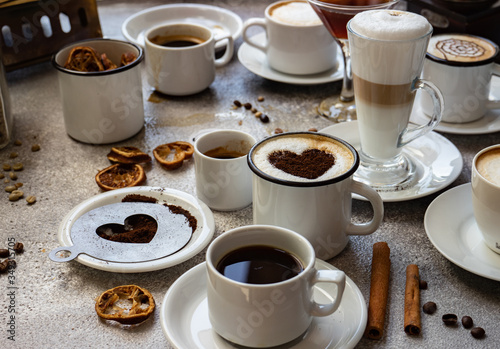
(295, 13)
(461, 48)
(298, 147)
(488, 166)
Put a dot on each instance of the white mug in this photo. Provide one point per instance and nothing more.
(223, 179)
(486, 194)
(266, 314)
(104, 106)
(179, 70)
(461, 66)
(297, 41)
(320, 208)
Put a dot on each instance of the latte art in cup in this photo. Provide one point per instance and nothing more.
(460, 48)
(295, 13)
(303, 158)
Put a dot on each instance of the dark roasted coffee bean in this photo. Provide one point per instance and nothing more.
(247, 106)
(467, 322)
(264, 118)
(4, 253)
(430, 308)
(450, 319)
(477, 332)
(422, 285)
(237, 103)
(19, 247)
(3, 268)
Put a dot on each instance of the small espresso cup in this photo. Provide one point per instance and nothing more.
(223, 179)
(260, 286)
(180, 58)
(297, 41)
(486, 194)
(461, 66)
(304, 181)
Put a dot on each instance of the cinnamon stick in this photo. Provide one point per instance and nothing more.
(412, 301)
(379, 290)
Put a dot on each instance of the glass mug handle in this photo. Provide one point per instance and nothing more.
(332, 276)
(260, 22)
(409, 135)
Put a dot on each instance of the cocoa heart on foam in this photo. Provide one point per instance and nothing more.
(138, 228)
(311, 164)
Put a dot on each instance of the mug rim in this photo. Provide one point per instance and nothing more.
(276, 3)
(139, 59)
(200, 153)
(257, 171)
(443, 61)
(263, 228)
(176, 24)
(474, 167)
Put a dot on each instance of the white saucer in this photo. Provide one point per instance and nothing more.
(199, 240)
(438, 161)
(184, 315)
(451, 227)
(489, 123)
(255, 60)
(218, 19)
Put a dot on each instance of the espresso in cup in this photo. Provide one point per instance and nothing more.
(461, 66)
(177, 40)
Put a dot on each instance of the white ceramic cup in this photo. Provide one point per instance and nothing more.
(106, 106)
(319, 209)
(465, 85)
(181, 71)
(266, 315)
(486, 194)
(294, 45)
(224, 184)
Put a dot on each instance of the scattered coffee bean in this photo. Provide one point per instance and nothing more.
(264, 118)
(16, 195)
(258, 114)
(450, 319)
(6, 167)
(477, 332)
(18, 247)
(253, 110)
(429, 308)
(422, 285)
(10, 188)
(4, 253)
(278, 130)
(18, 185)
(2, 176)
(313, 129)
(35, 147)
(467, 322)
(237, 103)
(247, 106)
(260, 99)
(13, 155)
(31, 199)
(18, 167)
(12, 176)
(3, 268)
(18, 142)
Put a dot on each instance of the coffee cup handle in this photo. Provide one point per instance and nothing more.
(378, 210)
(410, 134)
(332, 276)
(260, 22)
(494, 104)
(228, 54)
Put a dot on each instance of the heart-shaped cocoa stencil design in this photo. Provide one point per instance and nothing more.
(311, 164)
(138, 229)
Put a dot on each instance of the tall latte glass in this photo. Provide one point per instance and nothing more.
(387, 52)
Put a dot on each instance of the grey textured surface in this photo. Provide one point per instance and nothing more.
(54, 303)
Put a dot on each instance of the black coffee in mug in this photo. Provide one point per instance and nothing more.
(259, 264)
(177, 40)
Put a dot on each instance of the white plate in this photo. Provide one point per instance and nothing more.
(199, 240)
(438, 161)
(450, 225)
(218, 19)
(489, 123)
(255, 60)
(184, 315)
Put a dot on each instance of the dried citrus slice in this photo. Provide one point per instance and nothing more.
(128, 155)
(120, 176)
(128, 304)
(169, 155)
(186, 147)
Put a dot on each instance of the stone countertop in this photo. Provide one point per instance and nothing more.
(54, 302)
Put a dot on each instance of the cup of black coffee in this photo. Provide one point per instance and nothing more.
(260, 282)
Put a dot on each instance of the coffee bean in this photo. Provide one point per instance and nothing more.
(477, 332)
(430, 308)
(260, 99)
(450, 319)
(422, 285)
(247, 106)
(18, 247)
(237, 103)
(467, 322)
(264, 118)
(4, 253)
(35, 147)
(3, 267)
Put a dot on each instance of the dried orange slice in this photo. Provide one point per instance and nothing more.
(128, 304)
(128, 155)
(169, 155)
(186, 147)
(120, 176)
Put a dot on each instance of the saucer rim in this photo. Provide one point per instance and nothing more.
(320, 264)
(247, 53)
(453, 226)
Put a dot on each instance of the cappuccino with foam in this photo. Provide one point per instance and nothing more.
(303, 157)
(461, 48)
(298, 13)
(488, 165)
